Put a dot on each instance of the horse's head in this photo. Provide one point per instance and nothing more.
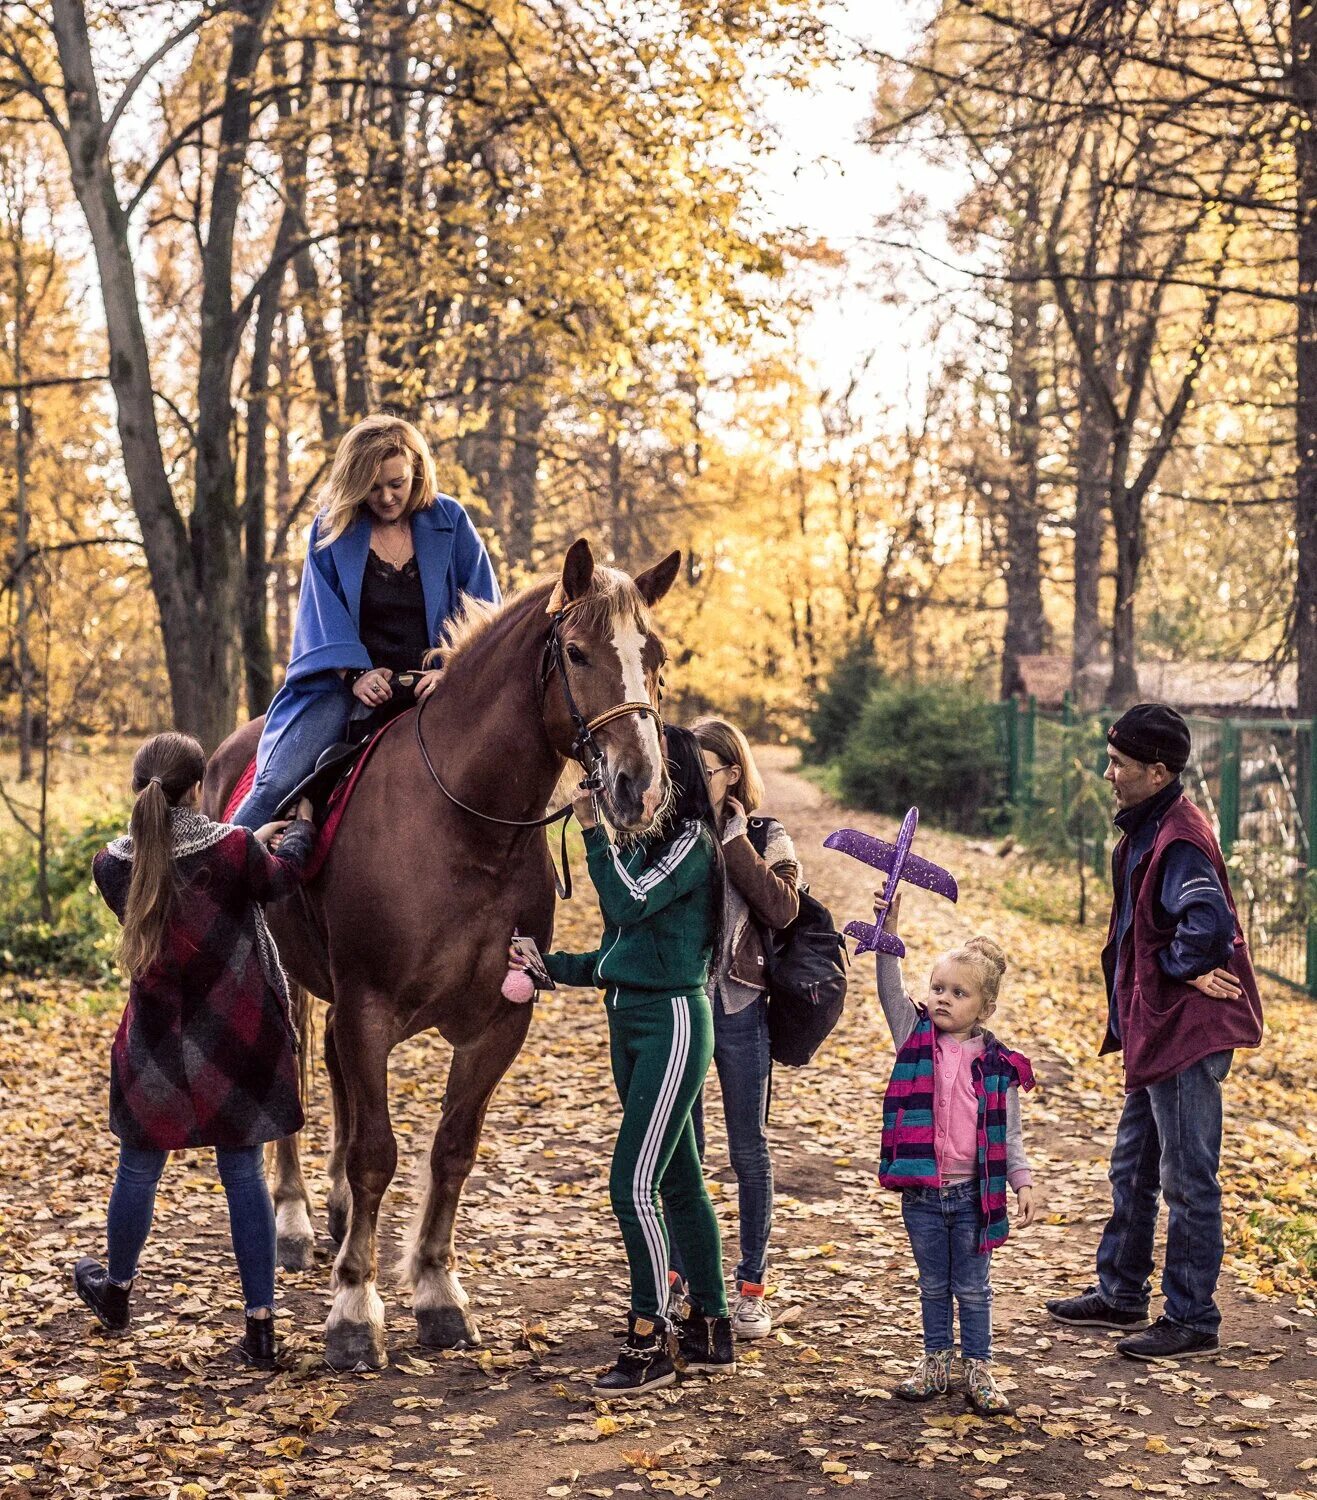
(611, 657)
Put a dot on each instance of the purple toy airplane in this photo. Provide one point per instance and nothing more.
(900, 865)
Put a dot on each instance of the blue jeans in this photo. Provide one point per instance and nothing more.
(740, 1053)
(943, 1225)
(322, 722)
(1168, 1143)
(251, 1215)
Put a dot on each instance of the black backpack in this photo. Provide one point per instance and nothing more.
(806, 974)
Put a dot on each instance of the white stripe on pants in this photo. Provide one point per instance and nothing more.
(642, 1178)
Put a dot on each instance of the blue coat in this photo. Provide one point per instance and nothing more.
(327, 636)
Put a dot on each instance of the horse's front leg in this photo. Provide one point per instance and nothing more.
(295, 1239)
(336, 1195)
(354, 1330)
(438, 1298)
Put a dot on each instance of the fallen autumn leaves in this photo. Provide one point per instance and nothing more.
(165, 1411)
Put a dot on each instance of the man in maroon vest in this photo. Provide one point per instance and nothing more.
(1181, 997)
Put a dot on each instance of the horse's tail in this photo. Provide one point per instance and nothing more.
(303, 1012)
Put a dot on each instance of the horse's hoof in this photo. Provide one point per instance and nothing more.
(355, 1346)
(296, 1252)
(446, 1328)
(338, 1225)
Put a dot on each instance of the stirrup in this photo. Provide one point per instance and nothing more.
(331, 767)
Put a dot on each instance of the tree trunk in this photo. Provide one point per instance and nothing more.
(1092, 454)
(22, 421)
(807, 637)
(619, 506)
(1026, 624)
(1128, 517)
(1303, 23)
(319, 350)
(352, 272)
(523, 481)
(258, 665)
(215, 523)
(164, 535)
(283, 495)
(399, 389)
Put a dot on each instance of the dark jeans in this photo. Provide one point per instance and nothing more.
(322, 723)
(943, 1225)
(1168, 1142)
(251, 1215)
(740, 1053)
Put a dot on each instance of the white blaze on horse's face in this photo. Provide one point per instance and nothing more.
(639, 786)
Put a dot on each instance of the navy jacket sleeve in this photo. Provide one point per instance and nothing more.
(1205, 927)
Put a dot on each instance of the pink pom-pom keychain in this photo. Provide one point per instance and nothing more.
(518, 987)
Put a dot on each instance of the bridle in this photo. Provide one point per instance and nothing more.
(585, 748)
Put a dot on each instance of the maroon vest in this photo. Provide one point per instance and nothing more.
(1166, 1025)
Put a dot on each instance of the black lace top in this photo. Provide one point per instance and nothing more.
(393, 626)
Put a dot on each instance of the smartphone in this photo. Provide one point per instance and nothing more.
(530, 954)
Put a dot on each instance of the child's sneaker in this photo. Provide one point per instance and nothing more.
(751, 1318)
(106, 1298)
(932, 1377)
(982, 1391)
(643, 1362)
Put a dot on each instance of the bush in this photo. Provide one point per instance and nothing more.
(932, 746)
(81, 938)
(854, 676)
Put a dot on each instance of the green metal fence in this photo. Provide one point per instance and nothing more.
(1256, 779)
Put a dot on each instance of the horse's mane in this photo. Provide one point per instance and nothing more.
(611, 594)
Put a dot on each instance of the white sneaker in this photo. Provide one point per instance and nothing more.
(751, 1318)
(678, 1297)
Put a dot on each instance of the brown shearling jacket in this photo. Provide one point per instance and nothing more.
(768, 887)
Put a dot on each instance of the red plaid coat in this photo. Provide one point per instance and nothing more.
(206, 1052)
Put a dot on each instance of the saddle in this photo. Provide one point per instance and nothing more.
(337, 763)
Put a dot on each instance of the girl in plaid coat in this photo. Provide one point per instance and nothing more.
(205, 1054)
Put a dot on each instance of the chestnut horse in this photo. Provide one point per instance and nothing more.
(440, 854)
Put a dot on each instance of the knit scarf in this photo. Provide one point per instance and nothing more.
(909, 1158)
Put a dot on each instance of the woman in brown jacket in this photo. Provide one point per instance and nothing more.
(760, 895)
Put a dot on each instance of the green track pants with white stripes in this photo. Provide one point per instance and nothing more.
(660, 1054)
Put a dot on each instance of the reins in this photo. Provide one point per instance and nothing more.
(585, 748)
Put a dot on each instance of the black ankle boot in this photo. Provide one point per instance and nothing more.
(704, 1344)
(109, 1302)
(257, 1347)
(644, 1362)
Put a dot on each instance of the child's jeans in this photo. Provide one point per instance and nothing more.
(943, 1225)
(251, 1215)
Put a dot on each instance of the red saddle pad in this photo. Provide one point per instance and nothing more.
(338, 800)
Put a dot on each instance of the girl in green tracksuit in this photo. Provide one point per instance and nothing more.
(661, 900)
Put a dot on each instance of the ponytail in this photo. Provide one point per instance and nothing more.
(164, 770)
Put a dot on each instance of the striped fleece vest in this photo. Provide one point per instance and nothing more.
(909, 1158)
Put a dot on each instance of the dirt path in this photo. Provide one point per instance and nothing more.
(165, 1412)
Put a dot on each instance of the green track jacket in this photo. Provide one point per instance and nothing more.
(658, 910)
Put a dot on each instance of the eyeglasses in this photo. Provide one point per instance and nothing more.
(719, 770)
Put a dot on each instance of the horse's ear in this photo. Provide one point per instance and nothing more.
(577, 572)
(656, 581)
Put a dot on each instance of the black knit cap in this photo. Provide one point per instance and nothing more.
(1151, 732)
